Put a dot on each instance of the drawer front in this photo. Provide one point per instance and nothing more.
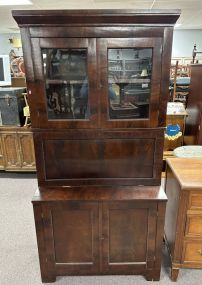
(194, 225)
(192, 252)
(195, 201)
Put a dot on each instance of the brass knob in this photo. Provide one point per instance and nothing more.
(200, 251)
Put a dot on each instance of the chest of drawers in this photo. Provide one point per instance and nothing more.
(183, 225)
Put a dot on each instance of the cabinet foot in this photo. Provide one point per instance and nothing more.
(48, 279)
(174, 274)
(153, 275)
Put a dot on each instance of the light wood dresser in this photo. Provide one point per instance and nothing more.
(183, 225)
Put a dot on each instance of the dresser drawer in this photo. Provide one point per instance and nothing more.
(192, 252)
(194, 225)
(195, 201)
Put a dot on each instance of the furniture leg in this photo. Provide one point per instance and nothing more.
(174, 274)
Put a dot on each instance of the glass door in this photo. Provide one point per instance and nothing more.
(130, 73)
(65, 79)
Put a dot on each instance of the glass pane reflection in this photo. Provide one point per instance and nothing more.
(129, 81)
(65, 72)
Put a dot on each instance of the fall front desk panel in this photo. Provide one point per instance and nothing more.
(128, 158)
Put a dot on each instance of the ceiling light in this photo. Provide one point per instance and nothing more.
(15, 2)
(177, 25)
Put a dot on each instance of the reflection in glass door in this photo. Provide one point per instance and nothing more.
(129, 82)
(66, 80)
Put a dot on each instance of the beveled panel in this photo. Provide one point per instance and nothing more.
(73, 235)
(125, 223)
(27, 150)
(113, 158)
(11, 149)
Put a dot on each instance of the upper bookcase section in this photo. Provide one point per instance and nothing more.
(95, 17)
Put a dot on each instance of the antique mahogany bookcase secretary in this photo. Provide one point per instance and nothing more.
(97, 89)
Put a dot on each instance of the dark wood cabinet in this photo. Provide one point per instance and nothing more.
(97, 90)
(87, 230)
(193, 125)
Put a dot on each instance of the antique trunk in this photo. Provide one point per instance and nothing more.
(11, 106)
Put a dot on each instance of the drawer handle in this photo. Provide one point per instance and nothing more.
(200, 251)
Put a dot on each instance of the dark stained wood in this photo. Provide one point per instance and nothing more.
(46, 274)
(95, 17)
(96, 210)
(39, 104)
(118, 31)
(165, 77)
(193, 124)
(183, 236)
(87, 229)
(119, 222)
(99, 157)
(99, 193)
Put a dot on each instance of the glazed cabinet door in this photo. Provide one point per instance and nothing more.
(129, 81)
(71, 232)
(63, 94)
(128, 236)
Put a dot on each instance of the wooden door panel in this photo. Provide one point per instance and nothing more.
(74, 232)
(127, 230)
(27, 150)
(11, 150)
(123, 225)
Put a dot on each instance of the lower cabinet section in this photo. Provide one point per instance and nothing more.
(98, 236)
(16, 149)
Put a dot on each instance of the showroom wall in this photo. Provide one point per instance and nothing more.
(5, 45)
(183, 42)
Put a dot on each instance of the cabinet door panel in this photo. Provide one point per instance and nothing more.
(72, 230)
(128, 229)
(27, 150)
(130, 74)
(11, 150)
(99, 158)
(65, 83)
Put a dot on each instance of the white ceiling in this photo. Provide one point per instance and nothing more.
(191, 17)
